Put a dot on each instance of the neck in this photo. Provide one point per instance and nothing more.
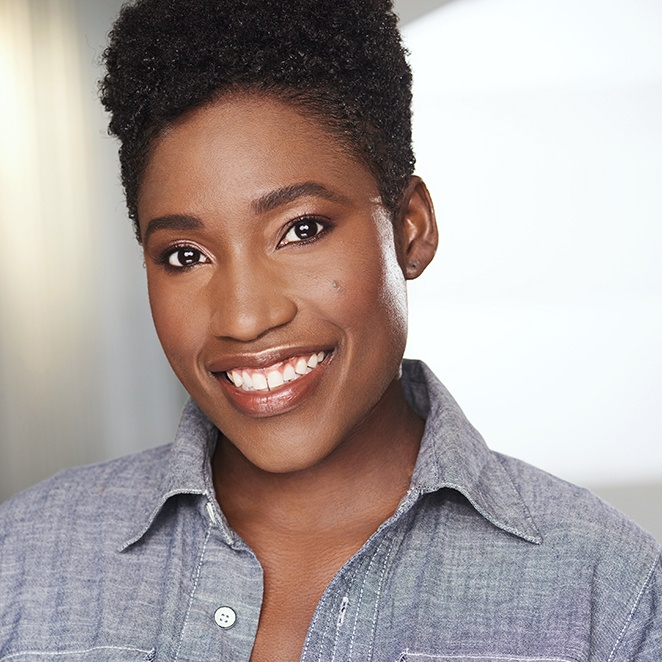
(362, 480)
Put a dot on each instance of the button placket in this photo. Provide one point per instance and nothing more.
(225, 600)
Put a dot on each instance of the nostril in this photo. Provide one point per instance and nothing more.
(251, 319)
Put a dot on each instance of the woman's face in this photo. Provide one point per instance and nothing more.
(274, 279)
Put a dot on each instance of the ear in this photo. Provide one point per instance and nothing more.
(416, 229)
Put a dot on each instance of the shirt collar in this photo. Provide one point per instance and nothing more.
(452, 455)
(187, 468)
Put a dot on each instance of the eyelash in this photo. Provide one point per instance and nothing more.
(167, 254)
(321, 229)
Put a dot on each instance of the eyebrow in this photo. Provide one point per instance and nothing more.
(268, 202)
(286, 194)
(171, 222)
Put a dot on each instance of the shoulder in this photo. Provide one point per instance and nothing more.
(564, 511)
(601, 551)
(60, 561)
(102, 496)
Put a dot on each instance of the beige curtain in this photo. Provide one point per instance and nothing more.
(82, 376)
(47, 283)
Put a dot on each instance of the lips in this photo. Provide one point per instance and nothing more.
(276, 375)
(278, 385)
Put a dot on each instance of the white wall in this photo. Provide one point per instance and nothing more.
(410, 10)
(538, 127)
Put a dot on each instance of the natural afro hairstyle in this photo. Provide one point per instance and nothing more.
(342, 61)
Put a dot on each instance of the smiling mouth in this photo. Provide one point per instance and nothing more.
(276, 375)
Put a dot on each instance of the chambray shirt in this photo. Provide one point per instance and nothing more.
(485, 559)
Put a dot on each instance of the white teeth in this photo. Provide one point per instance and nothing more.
(246, 379)
(288, 373)
(260, 382)
(275, 379)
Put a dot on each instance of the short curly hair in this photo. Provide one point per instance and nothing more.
(342, 61)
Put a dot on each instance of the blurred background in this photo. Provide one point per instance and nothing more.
(538, 128)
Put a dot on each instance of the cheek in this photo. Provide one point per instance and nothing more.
(393, 296)
(380, 285)
(364, 293)
(178, 321)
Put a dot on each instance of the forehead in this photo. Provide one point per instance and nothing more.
(241, 147)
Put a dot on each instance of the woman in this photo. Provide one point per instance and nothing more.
(322, 500)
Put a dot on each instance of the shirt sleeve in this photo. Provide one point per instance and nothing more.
(641, 640)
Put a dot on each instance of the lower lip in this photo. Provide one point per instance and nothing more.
(271, 403)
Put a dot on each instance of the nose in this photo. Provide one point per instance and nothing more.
(247, 302)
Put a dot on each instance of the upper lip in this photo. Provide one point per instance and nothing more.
(263, 359)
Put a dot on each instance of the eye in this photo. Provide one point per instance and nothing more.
(304, 229)
(184, 256)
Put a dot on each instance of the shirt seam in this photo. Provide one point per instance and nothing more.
(489, 657)
(492, 520)
(350, 581)
(155, 513)
(382, 576)
(76, 650)
(630, 616)
(193, 589)
(529, 517)
(353, 565)
(360, 598)
(211, 433)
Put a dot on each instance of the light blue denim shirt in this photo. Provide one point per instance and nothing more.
(485, 559)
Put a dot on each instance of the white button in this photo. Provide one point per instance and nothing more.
(225, 617)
